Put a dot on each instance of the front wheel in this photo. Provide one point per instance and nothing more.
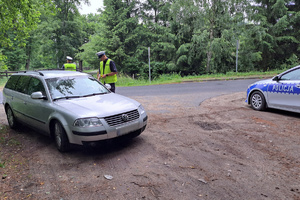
(257, 101)
(61, 139)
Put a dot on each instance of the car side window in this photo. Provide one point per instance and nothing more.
(11, 83)
(293, 75)
(22, 84)
(35, 85)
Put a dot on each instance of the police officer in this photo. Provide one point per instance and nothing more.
(69, 66)
(107, 71)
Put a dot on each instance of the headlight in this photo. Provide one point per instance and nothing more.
(88, 122)
(142, 109)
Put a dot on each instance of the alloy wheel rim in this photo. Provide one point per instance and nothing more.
(57, 135)
(256, 101)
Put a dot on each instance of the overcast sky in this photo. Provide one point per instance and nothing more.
(95, 4)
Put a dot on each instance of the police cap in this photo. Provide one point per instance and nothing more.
(69, 58)
(100, 54)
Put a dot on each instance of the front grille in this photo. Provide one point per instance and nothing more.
(116, 120)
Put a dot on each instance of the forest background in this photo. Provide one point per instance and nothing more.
(186, 37)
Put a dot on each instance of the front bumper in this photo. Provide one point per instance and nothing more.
(82, 135)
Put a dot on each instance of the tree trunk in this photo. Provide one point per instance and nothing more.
(209, 52)
(80, 66)
(27, 64)
(211, 33)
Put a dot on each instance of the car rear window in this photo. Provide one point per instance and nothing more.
(11, 83)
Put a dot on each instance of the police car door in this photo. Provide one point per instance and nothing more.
(284, 91)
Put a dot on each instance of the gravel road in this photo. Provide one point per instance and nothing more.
(220, 149)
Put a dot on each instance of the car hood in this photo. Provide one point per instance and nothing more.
(260, 84)
(266, 81)
(97, 106)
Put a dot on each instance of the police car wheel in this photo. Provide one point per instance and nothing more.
(257, 101)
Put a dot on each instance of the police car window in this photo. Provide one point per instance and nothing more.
(22, 84)
(35, 85)
(11, 83)
(293, 75)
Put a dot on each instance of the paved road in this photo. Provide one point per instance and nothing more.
(191, 93)
(200, 90)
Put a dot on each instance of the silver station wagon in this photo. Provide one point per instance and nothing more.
(71, 107)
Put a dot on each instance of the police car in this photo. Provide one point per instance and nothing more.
(281, 92)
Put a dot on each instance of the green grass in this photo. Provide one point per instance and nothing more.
(2, 142)
(3, 81)
(2, 164)
(124, 80)
(6, 141)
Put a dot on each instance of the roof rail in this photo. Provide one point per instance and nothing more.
(21, 71)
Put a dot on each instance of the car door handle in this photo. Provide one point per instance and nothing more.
(298, 86)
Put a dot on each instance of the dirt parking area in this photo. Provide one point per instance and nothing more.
(221, 149)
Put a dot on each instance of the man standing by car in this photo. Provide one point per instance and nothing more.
(69, 66)
(107, 71)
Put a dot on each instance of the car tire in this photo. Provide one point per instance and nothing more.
(60, 137)
(12, 122)
(257, 101)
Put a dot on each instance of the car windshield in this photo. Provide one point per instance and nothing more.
(74, 87)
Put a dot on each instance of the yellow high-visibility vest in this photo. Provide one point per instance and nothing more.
(107, 79)
(70, 66)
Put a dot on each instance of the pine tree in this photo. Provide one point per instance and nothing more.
(280, 20)
(207, 32)
(120, 32)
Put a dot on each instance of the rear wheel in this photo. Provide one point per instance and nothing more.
(12, 122)
(61, 139)
(257, 101)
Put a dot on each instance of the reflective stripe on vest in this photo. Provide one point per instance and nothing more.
(107, 79)
(70, 66)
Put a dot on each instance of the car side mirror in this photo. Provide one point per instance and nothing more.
(108, 86)
(38, 95)
(276, 78)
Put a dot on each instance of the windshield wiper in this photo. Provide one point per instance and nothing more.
(94, 94)
(66, 97)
